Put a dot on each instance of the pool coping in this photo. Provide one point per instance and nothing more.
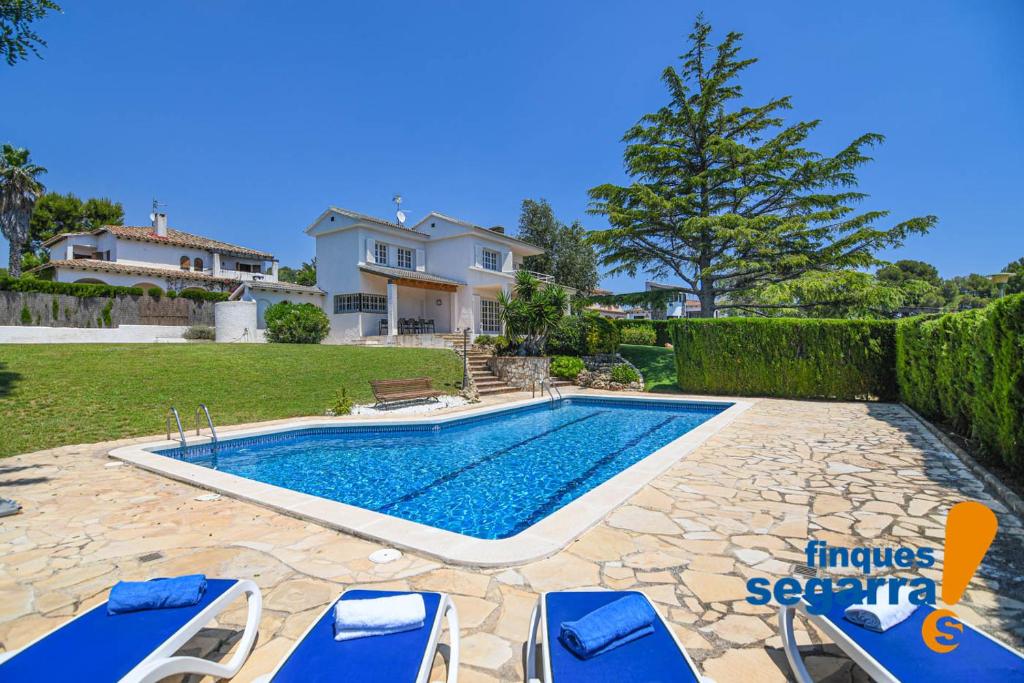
(542, 539)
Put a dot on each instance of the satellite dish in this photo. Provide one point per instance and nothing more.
(401, 217)
(152, 217)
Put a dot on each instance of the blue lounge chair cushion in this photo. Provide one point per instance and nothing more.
(902, 651)
(379, 659)
(102, 647)
(652, 659)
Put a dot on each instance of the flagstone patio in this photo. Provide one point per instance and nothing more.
(741, 505)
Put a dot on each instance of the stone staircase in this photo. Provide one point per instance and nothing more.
(486, 382)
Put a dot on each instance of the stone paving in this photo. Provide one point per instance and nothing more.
(741, 505)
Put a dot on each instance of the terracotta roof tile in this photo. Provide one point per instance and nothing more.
(182, 239)
(402, 273)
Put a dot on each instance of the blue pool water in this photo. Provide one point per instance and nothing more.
(487, 476)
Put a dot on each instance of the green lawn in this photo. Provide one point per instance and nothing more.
(58, 394)
(657, 364)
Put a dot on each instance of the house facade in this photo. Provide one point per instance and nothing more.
(154, 256)
(440, 275)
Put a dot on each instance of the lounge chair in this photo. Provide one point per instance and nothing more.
(134, 647)
(656, 657)
(395, 658)
(900, 653)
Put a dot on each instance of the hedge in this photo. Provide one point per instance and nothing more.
(662, 335)
(967, 370)
(80, 289)
(786, 357)
(27, 284)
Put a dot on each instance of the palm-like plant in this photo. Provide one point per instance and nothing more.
(531, 312)
(19, 190)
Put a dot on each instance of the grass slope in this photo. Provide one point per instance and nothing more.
(657, 364)
(59, 394)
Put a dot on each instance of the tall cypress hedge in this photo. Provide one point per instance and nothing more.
(786, 357)
(967, 370)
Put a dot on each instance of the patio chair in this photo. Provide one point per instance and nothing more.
(427, 326)
(655, 657)
(135, 647)
(394, 658)
(900, 653)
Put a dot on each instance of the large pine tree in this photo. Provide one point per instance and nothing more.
(724, 195)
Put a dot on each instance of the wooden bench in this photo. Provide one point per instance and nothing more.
(399, 390)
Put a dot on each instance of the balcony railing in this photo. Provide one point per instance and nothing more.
(543, 277)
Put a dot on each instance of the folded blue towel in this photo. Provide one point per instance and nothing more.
(608, 627)
(133, 596)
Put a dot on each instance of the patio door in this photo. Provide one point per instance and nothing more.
(490, 321)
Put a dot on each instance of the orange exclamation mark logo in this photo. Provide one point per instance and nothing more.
(970, 530)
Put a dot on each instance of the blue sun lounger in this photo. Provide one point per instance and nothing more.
(394, 658)
(900, 654)
(657, 658)
(135, 647)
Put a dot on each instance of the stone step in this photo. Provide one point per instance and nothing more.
(497, 390)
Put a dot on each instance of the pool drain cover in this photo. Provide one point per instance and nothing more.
(384, 556)
(149, 557)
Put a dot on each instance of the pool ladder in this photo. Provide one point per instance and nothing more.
(546, 385)
(202, 409)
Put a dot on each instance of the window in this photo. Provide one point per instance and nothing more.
(404, 258)
(380, 253)
(247, 268)
(198, 264)
(491, 259)
(360, 303)
(185, 263)
(490, 321)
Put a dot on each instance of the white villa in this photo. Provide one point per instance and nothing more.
(154, 256)
(443, 274)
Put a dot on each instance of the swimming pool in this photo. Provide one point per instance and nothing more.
(488, 476)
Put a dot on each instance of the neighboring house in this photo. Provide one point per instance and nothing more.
(616, 311)
(376, 273)
(677, 307)
(155, 256)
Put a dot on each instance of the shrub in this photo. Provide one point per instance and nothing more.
(105, 314)
(342, 404)
(601, 335)
(567, 338)
(289, 323)
(624, 374)
(967, 370)
(483, 340)
(155, 292)
(584, 335)
(55, 308)
(171, 294)
(200, 332)
(26, 316)
(634, 334)
(662, 335)
(568, 367)
(502, 345)
(786, 357)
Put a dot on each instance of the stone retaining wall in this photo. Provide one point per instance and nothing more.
(598, 373)
(39, 309)
(521, 372)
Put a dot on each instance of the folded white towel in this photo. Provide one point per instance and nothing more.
(378, 616)
(882, 616)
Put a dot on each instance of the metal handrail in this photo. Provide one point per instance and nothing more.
(213, 432)
(545, 383)
(177, 419)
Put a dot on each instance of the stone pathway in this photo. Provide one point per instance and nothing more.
(741, 505)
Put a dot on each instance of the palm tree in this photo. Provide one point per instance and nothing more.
(531, 312)
(19, 190)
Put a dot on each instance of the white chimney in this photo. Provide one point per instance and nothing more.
(160, 224)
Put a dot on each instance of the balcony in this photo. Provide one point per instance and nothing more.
(543, 277)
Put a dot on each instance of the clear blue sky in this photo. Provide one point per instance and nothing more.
(248, 120)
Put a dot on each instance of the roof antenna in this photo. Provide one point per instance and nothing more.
(156, 210)
(399, 214)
